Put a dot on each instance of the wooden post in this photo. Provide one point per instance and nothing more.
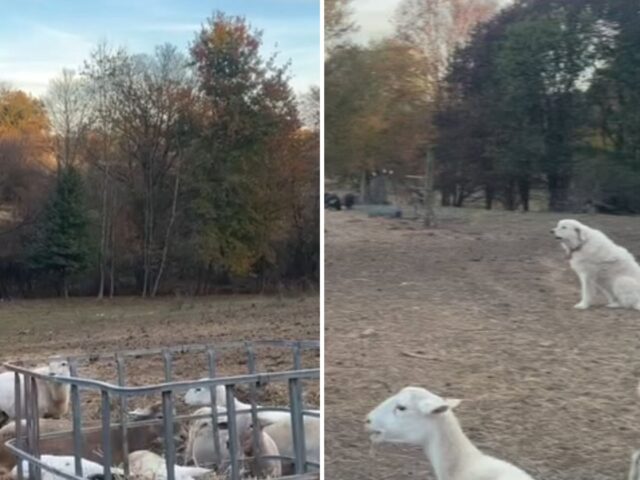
(429, 197)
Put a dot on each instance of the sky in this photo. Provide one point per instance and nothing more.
(375, 18)
(38, 38)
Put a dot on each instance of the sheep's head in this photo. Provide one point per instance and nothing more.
(198, 396)
(59, 368)
(408, 416)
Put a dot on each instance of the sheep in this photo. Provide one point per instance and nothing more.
(282, 435)
(200, 445)
(200, 396)
(65, 464)
(634, 471)
(139, 437)
(276, 424)
(8, 432)
(146, 465)
(415, 416)
(53, 397)
(265, 467)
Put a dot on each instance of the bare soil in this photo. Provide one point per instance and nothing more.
(480, 308)
(31, 331)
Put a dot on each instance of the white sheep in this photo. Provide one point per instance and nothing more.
(8, 432)
(53, 397)
(265, 467)
(282, 435)
(66, 464)
(146, 465)
(201, 396)
(416, 416)
(200, 446)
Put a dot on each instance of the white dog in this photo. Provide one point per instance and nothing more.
(601, 265)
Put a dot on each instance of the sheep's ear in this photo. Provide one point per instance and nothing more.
(430, 408)
(453, 402)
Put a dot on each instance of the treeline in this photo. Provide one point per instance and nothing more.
(161, 173)
(539, 97)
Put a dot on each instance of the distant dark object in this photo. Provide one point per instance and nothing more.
(332, 201)
(611, 206)
(349, 200)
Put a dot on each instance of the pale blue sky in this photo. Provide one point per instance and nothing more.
(375, 18)
(38, 38)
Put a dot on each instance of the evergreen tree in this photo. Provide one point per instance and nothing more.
(62, 244)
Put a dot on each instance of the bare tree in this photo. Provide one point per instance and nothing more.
(150, 95)
(310, 108)
(69, 108)
(100, 71)
(436, 27)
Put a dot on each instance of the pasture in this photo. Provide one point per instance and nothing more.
(480, 309)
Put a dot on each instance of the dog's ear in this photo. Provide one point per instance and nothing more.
(581, 233)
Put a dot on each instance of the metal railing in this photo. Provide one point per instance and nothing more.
(115, 436)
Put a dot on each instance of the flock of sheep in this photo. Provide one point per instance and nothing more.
(197, 451)
(416, 416)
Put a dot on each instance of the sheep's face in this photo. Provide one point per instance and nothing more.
(198, 396)
(59, 368)
(570, 232)
(407, 417)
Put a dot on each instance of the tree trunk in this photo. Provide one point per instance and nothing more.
(558, 185)
(445, 199)
(103, 231)
(429, 197)
(524, 189)
(165, 247)
(489, 195)
(510, 195)
(365, 187)
(112, 256)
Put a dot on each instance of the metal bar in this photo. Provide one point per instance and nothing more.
(76, 414)
(18, 412)
(168, 364)
(297, 426)
(233, 432)
(106, 434)
(36, 424)
(29, 421)
(297, 358)
(124, 410)
(312, 373)
(30, 459)
(253, 396)
(169, 444)
(211, 360)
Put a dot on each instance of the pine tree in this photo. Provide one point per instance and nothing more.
(62, 244)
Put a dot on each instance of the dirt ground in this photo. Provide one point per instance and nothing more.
(484, 303)
(33, 330)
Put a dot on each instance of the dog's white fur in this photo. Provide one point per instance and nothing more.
(601, 265)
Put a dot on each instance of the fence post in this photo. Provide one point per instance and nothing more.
(429, 194)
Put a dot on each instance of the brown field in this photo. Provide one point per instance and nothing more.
(33, 330)
(478, 309)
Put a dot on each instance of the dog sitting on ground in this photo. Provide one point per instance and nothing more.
(601, 266)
